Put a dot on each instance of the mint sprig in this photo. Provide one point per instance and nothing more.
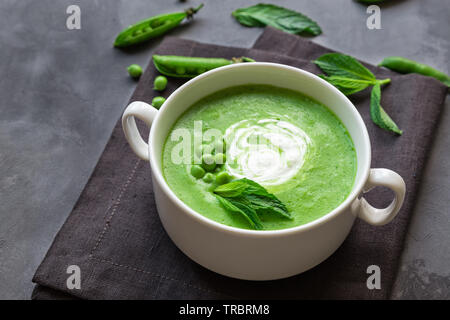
(249, 199)
(350, 76)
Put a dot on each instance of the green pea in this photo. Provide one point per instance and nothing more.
(208, 162)
(180, 70)
(146, 29)
(160, 83)
(220, 158)
(157, 102)
(134, 71)
(155, 24)
(208, 178)
(223, 177)
(197, 171)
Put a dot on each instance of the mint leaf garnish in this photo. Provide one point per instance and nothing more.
(249, 198)
(241, 208)
(232, 189)
(377, 113)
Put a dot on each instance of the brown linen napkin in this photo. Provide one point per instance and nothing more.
(114, 234)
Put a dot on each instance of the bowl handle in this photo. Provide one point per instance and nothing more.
(385, 178)
(144, 112)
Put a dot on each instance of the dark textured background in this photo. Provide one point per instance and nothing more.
(62, 92)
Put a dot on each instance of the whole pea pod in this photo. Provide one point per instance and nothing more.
(404, 65)
(190, 67)
(152, 27)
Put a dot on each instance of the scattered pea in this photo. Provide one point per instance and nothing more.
(134, 71)
(197, 171)
(160, 83)
(208, 178)
(223, 177)
(208, 162)
(220, 158)
(157, 102)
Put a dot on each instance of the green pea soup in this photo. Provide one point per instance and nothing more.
(289, 143)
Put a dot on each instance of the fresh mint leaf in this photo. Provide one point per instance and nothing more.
(377, 113)
(238, 207)
(250, 199)
(337, 64)
(346, 85)
(263, 204)
(278, 17)
(255, 188)
(232, 189)
(249, 211)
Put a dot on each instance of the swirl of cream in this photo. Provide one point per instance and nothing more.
(268, 151)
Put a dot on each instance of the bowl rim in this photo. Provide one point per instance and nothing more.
(356, 190)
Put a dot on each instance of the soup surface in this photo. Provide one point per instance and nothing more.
(289, 143)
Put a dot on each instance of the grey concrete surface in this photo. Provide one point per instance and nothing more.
(63, 90)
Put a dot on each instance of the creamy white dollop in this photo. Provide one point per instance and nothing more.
(268, 151)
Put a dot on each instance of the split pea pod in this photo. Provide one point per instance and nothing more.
(190, 67)
(152, 27)
(404, 65)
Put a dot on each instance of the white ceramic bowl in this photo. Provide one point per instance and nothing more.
(251, 254)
